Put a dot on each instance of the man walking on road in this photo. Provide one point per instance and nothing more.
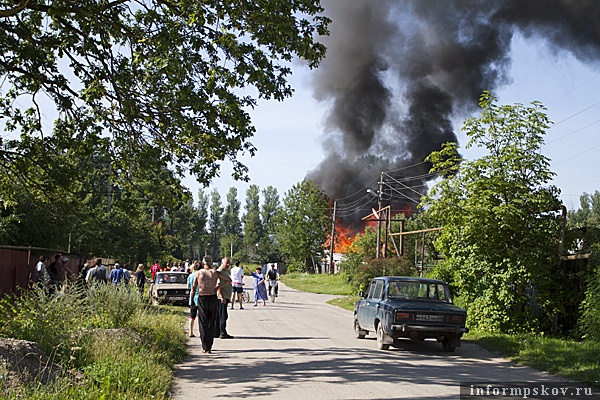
(205, 281)
(225, 298)
(237, 283)
(273, 277)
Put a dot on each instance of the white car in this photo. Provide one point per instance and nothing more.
(170, 287)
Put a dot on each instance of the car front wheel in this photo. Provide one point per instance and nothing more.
(381, 338)
(358, 332)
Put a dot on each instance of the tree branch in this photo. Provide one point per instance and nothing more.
(11, 12)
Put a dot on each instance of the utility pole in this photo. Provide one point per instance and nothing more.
(377, 254)
(332, 239)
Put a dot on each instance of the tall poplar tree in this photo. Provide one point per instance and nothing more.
(253, 229)
(214, 223)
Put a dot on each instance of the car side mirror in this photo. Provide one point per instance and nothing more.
(362, 294)
(151, 280)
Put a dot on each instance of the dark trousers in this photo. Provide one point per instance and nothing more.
(208, 319)
(223, 317)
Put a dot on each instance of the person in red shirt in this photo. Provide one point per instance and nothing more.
(155, 268)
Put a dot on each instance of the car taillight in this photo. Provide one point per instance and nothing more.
(403, 316)
(456, 319)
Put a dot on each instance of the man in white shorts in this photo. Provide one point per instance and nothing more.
(237, 282)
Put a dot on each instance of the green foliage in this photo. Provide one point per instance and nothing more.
(501, 230)
(178, 95)
(363, 247)
(45, 319)
(214, 223)
(372, 268)
(122, 369)
(253, 228)
(133, 361)
(302, 226)
(583, 224)
(589, 321)
(269, 209)
(113, 306)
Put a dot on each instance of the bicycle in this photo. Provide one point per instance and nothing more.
(273, 286)
(246, 296)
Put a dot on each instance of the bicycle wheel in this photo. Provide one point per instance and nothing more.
(273, 296)
(246, 296)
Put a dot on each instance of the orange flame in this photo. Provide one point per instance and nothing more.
(344, 236)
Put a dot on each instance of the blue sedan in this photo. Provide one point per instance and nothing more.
(406, 307)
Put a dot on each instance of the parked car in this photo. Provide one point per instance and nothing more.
(406, 307)
(170, 287)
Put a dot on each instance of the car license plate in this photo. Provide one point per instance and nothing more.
(432, 318)
(177, 298)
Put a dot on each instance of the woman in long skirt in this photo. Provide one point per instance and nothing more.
(260, 288)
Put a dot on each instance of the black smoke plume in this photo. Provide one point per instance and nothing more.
(398, 72)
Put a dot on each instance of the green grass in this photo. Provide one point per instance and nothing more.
(117, 345)
(346, 302)
(579, 361)
(319, 283)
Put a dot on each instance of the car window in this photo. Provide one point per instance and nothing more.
(378, 290)
(418, 291)
(371, 289)
(172, 278)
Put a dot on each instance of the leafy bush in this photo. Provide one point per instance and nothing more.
(113, 306)
(45, 319)
(589, 321)
(295, 266)
(133, 361)
(380, 267)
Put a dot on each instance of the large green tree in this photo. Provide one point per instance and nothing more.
(231, 225)
(269, 209)
(214, 223)
(303, 226)
(268, 250)
(253, 229)
(168, 83)
(501, 230)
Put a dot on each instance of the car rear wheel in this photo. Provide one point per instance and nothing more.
(381, 338)
(358, 332)
(447, 346)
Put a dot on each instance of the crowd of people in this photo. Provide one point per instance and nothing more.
(212, 293)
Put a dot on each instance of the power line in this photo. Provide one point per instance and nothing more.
(572, 90)
(575, 131)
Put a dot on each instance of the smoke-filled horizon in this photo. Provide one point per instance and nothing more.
(398, 72)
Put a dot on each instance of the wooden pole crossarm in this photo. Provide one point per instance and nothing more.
(420, 231)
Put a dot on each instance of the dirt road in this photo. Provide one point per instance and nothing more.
(302, 348)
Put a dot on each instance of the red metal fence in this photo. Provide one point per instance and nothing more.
(18, 263)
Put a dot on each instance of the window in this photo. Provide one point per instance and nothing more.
(378, 290)
(371, 289)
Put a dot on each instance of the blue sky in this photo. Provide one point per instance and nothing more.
(289, 133)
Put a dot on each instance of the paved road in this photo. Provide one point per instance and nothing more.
(302, 348)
